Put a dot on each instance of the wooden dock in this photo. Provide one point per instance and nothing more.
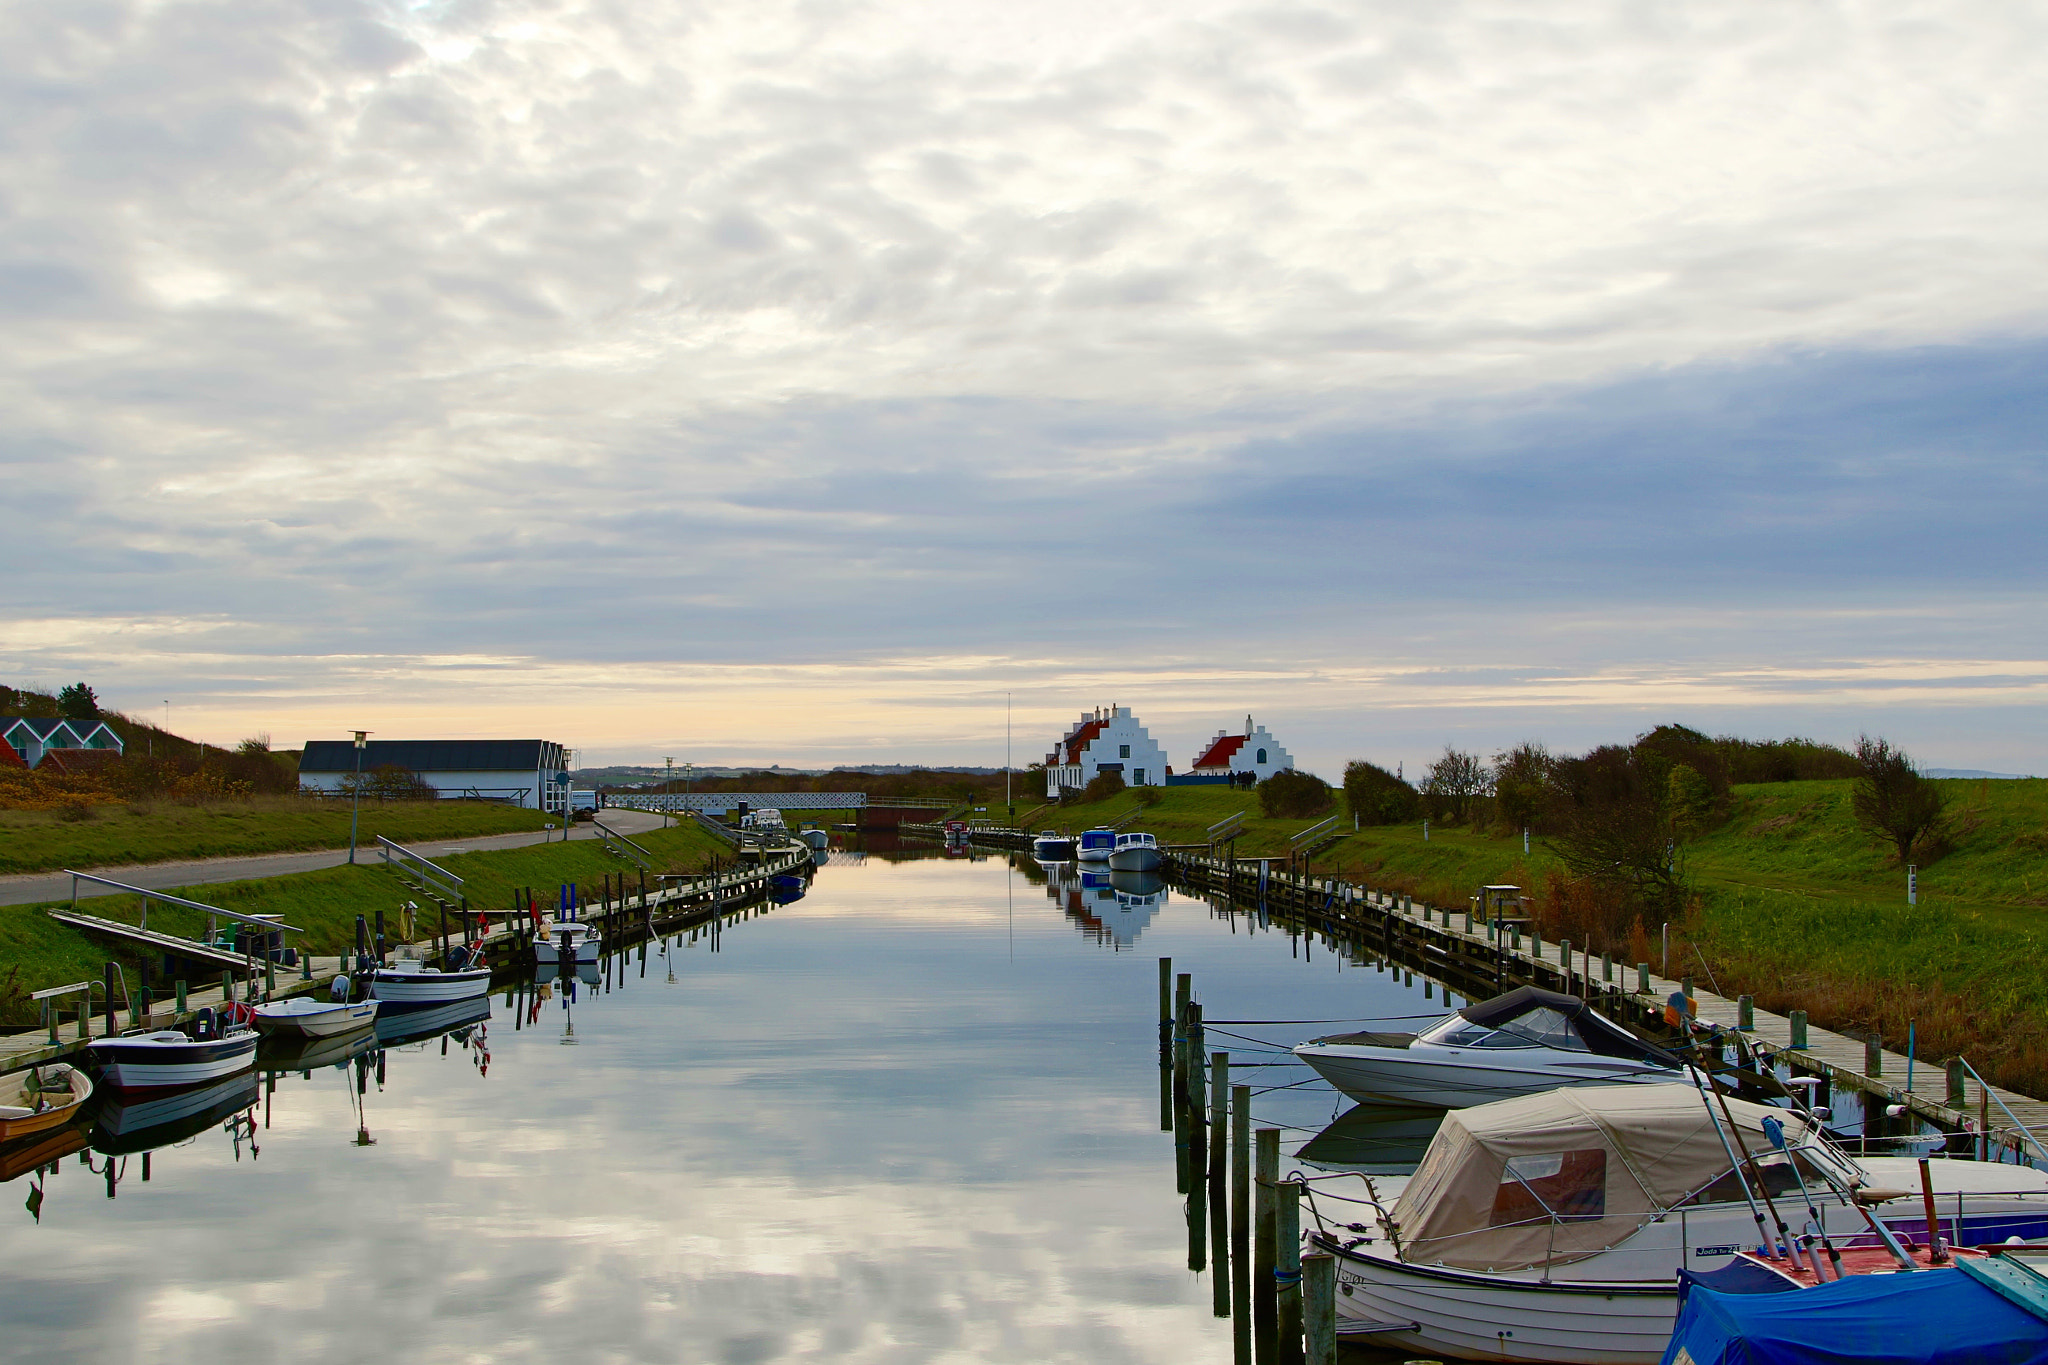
(1464, 952)
(681, 905)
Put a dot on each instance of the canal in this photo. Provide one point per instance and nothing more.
(912, 1116)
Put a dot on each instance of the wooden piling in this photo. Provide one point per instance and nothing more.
(1241, 1223)
(1319, 1308)
(1287, 1270)
(1219, 1217)
(1265, 1229)
(1873, 1055)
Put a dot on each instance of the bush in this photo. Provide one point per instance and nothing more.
(1376, 796)
(1103, 786)
(1291, 795)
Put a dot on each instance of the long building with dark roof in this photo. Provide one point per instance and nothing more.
(522, 772)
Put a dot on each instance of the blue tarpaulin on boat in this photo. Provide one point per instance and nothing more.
(1930, 1317)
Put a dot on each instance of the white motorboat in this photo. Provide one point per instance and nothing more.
(818, 839)
(409, 983)
(583, 941)
(1521, 1043)
(1095, 845)
(166, 1058)
(1552, 1227)
(1134, 853)
(1051, 846)
(307, 1016)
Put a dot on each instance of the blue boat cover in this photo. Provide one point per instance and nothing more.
(1929, 1317)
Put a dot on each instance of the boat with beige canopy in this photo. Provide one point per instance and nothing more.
(1551, 1227)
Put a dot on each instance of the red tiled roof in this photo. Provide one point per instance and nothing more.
(1218, 754)
(78, 762)
(1081, 738)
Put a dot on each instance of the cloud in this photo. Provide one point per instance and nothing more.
(682, 337)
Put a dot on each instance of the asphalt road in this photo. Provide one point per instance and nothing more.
(33, 887)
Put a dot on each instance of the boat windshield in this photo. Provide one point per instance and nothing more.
(1546, 1028)
(1457, 1031)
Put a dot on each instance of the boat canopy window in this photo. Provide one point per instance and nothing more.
(1548, 1028)
(1457, 1031)
(1569, 1186)
(1548, 1019)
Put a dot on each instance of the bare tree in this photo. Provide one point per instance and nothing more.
(1891, 798)
(1454, 780)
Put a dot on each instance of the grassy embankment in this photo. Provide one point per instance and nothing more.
(160, 831)
(37, 951)
(1795, 906)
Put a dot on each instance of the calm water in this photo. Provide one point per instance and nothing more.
(911, 1117)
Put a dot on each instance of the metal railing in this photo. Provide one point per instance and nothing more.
(431, 875)
(260, 921)
(1226, 829)
(1310, 835)
(625, 847)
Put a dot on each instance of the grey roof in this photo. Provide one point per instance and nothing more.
(42, 727)
(431, 755)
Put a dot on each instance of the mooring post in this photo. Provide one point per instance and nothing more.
(1873, 1055)
(107, 972)
(1240, 1223)
(1265, 1231)
(1319, 1307)
(1797, 1022)
(1287, 1270)
(180, 985)
(1745, 1013)
(1957, 1097)
(381, 941)
(1564, 962)
(1642, 978)
(1181, 1136)
(1219, 1218)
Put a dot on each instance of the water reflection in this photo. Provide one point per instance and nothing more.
(129, 1125)
(1373, 1140)
(889, 1122)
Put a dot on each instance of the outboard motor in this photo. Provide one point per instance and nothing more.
(339, 989)
(204, 1025)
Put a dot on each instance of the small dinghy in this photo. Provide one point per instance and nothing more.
(41, 1098)
(166, 1058)
(306, 1016)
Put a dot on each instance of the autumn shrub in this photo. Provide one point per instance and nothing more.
(1292, 795)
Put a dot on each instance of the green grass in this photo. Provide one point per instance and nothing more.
(41, 952)
(164, 831)
(1796, 906)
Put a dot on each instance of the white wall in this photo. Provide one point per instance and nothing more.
(491, 782)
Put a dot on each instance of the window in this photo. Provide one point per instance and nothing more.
(1262, 756)
(1571, 1186)
(1137, 777)
(1123, 751)
(1547, 1028)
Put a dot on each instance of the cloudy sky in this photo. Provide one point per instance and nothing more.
(793, 381)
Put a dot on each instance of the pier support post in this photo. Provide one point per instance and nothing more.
(1797, 1021)
(1957, 1097)
(180, 985)
(1319, 1307)
(1287, 1271)
(1873, 1055)
(1745, 1013)
(1642, 978)
(1240, 1224)
(107, 974)
(1219, 1210)
(1265, 1227)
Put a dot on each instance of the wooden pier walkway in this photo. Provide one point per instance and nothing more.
(684, 903)
(1453, 946)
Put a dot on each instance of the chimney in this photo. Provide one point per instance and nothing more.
(1247, 727)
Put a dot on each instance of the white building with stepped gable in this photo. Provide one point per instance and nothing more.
(1107, 739)
(1255, 751)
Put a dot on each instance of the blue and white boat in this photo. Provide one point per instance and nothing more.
(1096, 845)
(166, 1058)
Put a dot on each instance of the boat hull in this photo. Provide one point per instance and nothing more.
(323, 1023)
(424, 990)
(1401, 1076)
(79, 1090)
(138, 1064)
(1052, 850)
(1134, 860)
(1474, 1317)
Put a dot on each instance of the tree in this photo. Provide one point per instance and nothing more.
(1289, 795)
(78, 702)
(1690, 797)
(1376, 796)
(254, 744)
(1454, 780)
(1891, 798)
(1616, 828)
(1521, 779)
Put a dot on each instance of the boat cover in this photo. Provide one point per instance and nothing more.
(1930, 1317)
(1567, 1173)
(1599, 1034)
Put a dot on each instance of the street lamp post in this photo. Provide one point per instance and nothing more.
(356, 791)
